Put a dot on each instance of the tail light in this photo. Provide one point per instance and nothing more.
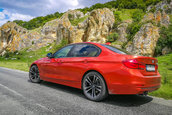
(134, 64)
(156, 67)
(108, 43)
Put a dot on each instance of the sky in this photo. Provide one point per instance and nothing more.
(27, 9)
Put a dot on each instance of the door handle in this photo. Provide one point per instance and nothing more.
(60, 61)
(85, 61)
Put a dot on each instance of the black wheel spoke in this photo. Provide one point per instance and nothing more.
(98, 86)
(88, 81)
(32, 77)
(98, 89)
(94, 79)
(88, 89)
(93, 93)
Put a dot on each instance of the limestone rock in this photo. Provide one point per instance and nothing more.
(50, 28)
(122, 31)
(94, 28)
(145, 40)
(44, 36)
(100, 23)
(164, 5)
(15, 38)
(74, 14)
(166, 50)
(10, 37)
(158, 18)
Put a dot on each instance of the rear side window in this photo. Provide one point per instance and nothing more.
(114, 49)
(84, 50)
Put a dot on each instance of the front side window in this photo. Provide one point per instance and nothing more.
(63, 52)
(84, 50)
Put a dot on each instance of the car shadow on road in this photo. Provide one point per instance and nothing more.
(117, 100)
(63, 88)
(128, 100)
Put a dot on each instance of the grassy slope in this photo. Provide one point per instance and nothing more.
(126, 14)
(23, 59)
(165, 69)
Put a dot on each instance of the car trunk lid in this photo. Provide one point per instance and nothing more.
(151, 67)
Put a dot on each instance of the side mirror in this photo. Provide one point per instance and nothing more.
(50, 55)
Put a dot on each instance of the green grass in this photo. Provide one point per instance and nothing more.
(19, 65)
(126, 14)
(22, 60)
(165, 69)
(78, 20)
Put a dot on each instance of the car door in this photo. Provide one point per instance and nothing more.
(73, 67)
(52, 65)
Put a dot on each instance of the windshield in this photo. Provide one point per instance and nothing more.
(114, 49)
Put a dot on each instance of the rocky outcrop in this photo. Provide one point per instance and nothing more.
(144, 41)
(14, 37)
(94, 28)
(122, 31)
(164, 5)
(99, 24)
(43, 36)
(65, 29)
(166, 50)
(49, 28)
(11, 37)
(74, 14)
(158, 17)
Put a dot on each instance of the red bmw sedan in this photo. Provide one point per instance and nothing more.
(98, 70)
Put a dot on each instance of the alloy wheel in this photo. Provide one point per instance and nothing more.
(94, 87)
(34, 74)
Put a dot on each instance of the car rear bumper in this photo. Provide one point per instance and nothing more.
(147, 84)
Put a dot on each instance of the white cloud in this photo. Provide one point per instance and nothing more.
(9, 16)
(61, 6)
(3, 22)
(72, 2)
(2, 15)
(17, 16)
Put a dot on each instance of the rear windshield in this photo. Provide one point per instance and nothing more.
(114, 49)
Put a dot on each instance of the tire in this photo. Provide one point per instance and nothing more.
(94, 86)
(34, 74)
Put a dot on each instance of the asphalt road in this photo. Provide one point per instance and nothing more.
(18, 96)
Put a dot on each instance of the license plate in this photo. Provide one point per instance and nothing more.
(150, 68)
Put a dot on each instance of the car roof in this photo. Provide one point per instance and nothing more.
(87, 43)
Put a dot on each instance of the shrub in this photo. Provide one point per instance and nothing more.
(112, 37)
(117, 17)
(153, 9)
(165, 40)
(70, 16)
(78, 20)
(117, 20)
(137, 15)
